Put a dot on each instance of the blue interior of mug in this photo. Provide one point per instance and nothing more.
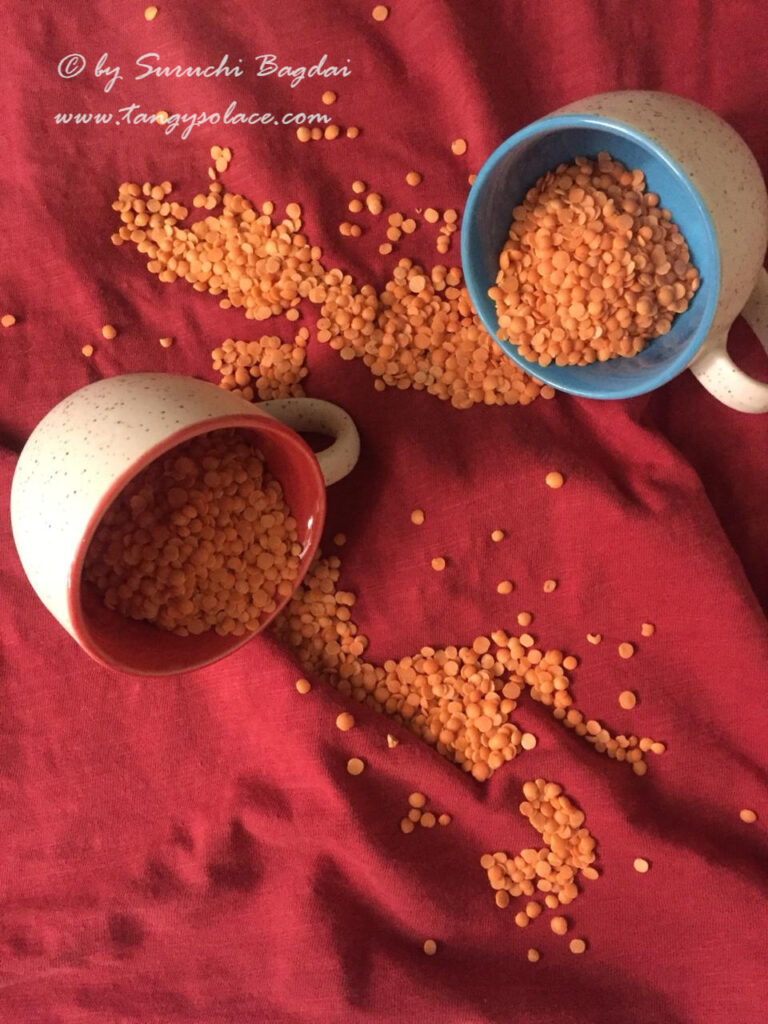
(501, 185)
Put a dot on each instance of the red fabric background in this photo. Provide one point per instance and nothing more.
(191, 849)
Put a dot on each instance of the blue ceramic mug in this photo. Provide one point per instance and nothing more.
(704, 173)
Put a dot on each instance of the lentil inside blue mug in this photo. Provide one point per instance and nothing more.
(501, 184)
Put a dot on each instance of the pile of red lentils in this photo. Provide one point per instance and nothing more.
(420, 331)
(458, 699)
(201, 539)
(569, 851)
(263, 266)
(263, 369)
(593, 268)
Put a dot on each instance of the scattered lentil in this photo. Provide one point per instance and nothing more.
(647, 629)
(438, 564)
(8, 320)
(641, 865)
(534, 956)
(303, 685)
(626, 650)
(374, 203)
(413, 178)
(577, 945)
(417, 800)
(748, 816)
(627, 700)
(497, 535)
(392, 741)
(340, 540)
(505, 587)
(549, 586)
(430, 946)
(594, 638)
(417, 517)
(166, 342)
(459, 147)
(444, 819)
(355, 766)
(528, 741)
(554, 480)
(406, 825)
(345, 721)
(87, 351)
(150, 13)
(559, 925)
(109, 332)
(328, 97)
(428, 820)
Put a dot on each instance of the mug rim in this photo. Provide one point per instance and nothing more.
(256, 418)
(688, 352)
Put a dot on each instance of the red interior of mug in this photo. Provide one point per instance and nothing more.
(141, 648)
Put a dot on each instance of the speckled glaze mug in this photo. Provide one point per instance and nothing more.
(83, 453)
(705, 175)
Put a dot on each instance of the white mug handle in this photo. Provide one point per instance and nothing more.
(312, 415)
(719, 374)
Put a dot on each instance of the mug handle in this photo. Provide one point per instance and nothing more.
(312, 415)
(719, 374)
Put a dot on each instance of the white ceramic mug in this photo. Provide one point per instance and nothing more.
(83, 453)
(709, 179)
(728, 179)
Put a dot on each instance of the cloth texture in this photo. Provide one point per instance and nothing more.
(192, 849)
